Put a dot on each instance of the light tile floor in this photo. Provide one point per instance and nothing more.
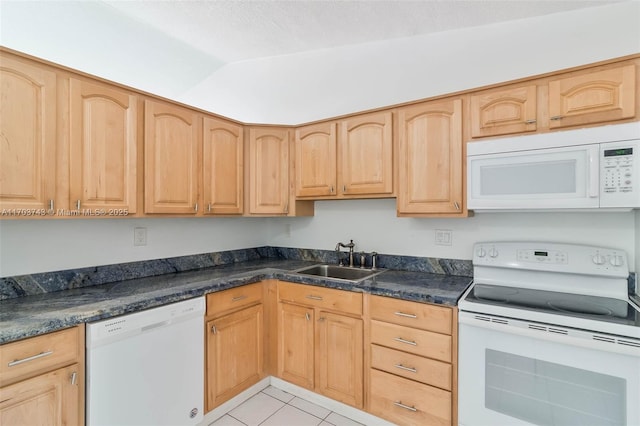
(274, 407)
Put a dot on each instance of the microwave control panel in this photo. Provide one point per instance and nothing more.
(620, 174)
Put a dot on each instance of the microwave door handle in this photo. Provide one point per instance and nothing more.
(594, 169)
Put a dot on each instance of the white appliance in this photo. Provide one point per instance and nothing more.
(147, 368)
(548, 335)
(588, 168)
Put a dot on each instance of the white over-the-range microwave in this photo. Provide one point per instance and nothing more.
(591, 168)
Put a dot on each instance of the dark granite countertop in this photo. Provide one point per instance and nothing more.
(33, 315)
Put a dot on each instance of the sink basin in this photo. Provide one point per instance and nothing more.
(339, 272)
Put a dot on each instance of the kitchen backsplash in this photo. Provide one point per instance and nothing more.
(33, 284)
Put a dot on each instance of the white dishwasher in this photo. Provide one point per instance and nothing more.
(147, 368)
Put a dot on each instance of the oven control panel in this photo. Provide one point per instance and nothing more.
(552, 257)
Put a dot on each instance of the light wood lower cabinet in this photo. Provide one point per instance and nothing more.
(234, 342)
(320, 347)
(42, 380)
(412, 364)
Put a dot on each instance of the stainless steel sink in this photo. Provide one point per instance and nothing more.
(339, 272)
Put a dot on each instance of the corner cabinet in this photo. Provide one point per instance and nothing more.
(28, 129)
(222, 167)
(103, 147)
(234, 343)
(42, 380)
(269, 171)
(430, 164)
(320, 341)
(171, 153)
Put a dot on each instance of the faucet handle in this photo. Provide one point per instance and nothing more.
(363, 258)
(374, 256)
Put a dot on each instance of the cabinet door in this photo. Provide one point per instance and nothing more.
(430, 164)
(222, 167)
(49, 399)
(28, 135)
(295, 344)
(103, 125)
(366, 154)
(234, 354)
(269, 171)
(316, 160)
(595, 97)
(172, 140)
(339, 357)
(504, 111)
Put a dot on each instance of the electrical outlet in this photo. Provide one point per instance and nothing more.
(139, 236)
(443, 237)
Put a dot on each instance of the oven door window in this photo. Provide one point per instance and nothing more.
(546, 393)
(529, 377)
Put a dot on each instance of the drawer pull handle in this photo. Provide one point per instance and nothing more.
(407, 342)
(402, 314)
(406, 407)
(312, 297)
(307, 316)
(238, 298)
(402, 367)
(556, 118)
(31, 358)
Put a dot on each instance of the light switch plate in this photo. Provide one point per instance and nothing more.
(139, 236)
(444, 237)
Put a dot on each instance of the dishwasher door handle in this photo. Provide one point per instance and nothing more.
(156, 325)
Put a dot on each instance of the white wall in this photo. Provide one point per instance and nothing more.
(373, 226)
(30, 246)
(291, 89)
(92, 37)
(325, 83)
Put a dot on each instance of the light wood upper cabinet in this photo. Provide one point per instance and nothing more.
(103, 126)
(504, 111)
(365, 162)
(430, 163)
(222, 167)
(28, 135)
(316, 161)
(268, 171)
(593, 97)
(171, 148)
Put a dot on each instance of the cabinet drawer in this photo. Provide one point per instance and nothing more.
(36, 355)
(234, 298)
(324, 298)
(413, 314)
(419, 342)
(406, 402)
(414, 367)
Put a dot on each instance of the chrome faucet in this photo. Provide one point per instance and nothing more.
(350, 246)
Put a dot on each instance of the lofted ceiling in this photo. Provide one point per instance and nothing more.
(239, 30)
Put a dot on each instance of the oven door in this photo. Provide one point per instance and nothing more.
(514, 372)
